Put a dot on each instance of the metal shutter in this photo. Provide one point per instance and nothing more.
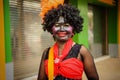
(28, 38)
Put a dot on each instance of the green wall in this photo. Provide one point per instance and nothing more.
(112, 25)
(99, 23)
(82, 37)
(7, 31)
(112, 20)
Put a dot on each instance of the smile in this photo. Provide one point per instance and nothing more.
(61, 34)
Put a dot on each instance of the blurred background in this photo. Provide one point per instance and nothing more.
(23, 39)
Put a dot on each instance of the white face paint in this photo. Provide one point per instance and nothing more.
(62, 31)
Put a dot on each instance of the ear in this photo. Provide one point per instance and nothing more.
(72, 34)
(54, 38)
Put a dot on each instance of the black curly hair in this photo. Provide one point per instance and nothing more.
(70, 13)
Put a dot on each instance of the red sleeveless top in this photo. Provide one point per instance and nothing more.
(69, 68)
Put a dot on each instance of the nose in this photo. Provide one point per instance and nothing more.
(62, 28)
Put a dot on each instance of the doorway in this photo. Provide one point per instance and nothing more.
(97, 30)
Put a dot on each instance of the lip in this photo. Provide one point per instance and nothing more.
(62, 34)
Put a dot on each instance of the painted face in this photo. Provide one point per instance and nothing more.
(61, 30)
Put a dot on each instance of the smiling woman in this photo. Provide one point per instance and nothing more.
(65, 60)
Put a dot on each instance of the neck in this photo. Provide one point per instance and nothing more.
(61, 46)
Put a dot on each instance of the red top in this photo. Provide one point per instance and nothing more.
(69, 68)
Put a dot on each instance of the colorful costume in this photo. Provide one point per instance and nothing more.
(62, 21)
(64, 60)
(69, 67)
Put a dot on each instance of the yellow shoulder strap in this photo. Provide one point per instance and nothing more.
(51, 64)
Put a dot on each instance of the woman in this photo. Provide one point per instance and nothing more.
(65, 60)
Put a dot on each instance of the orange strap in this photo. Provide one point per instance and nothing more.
(50, 64)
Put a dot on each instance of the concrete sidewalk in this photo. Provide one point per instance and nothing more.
(108, 69)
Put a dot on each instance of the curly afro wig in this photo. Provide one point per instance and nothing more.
(70, 13)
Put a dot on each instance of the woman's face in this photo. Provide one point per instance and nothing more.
(62, 31)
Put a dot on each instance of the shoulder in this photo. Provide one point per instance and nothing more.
(46, 50)
(85, 52)
(82, 49)
(45, 53)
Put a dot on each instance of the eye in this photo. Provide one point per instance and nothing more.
(66, 25)
(57, 25)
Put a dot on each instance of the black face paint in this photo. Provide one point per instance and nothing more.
(62, 30)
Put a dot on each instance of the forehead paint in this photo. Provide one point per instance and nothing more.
(61, 20)
(61, 26)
